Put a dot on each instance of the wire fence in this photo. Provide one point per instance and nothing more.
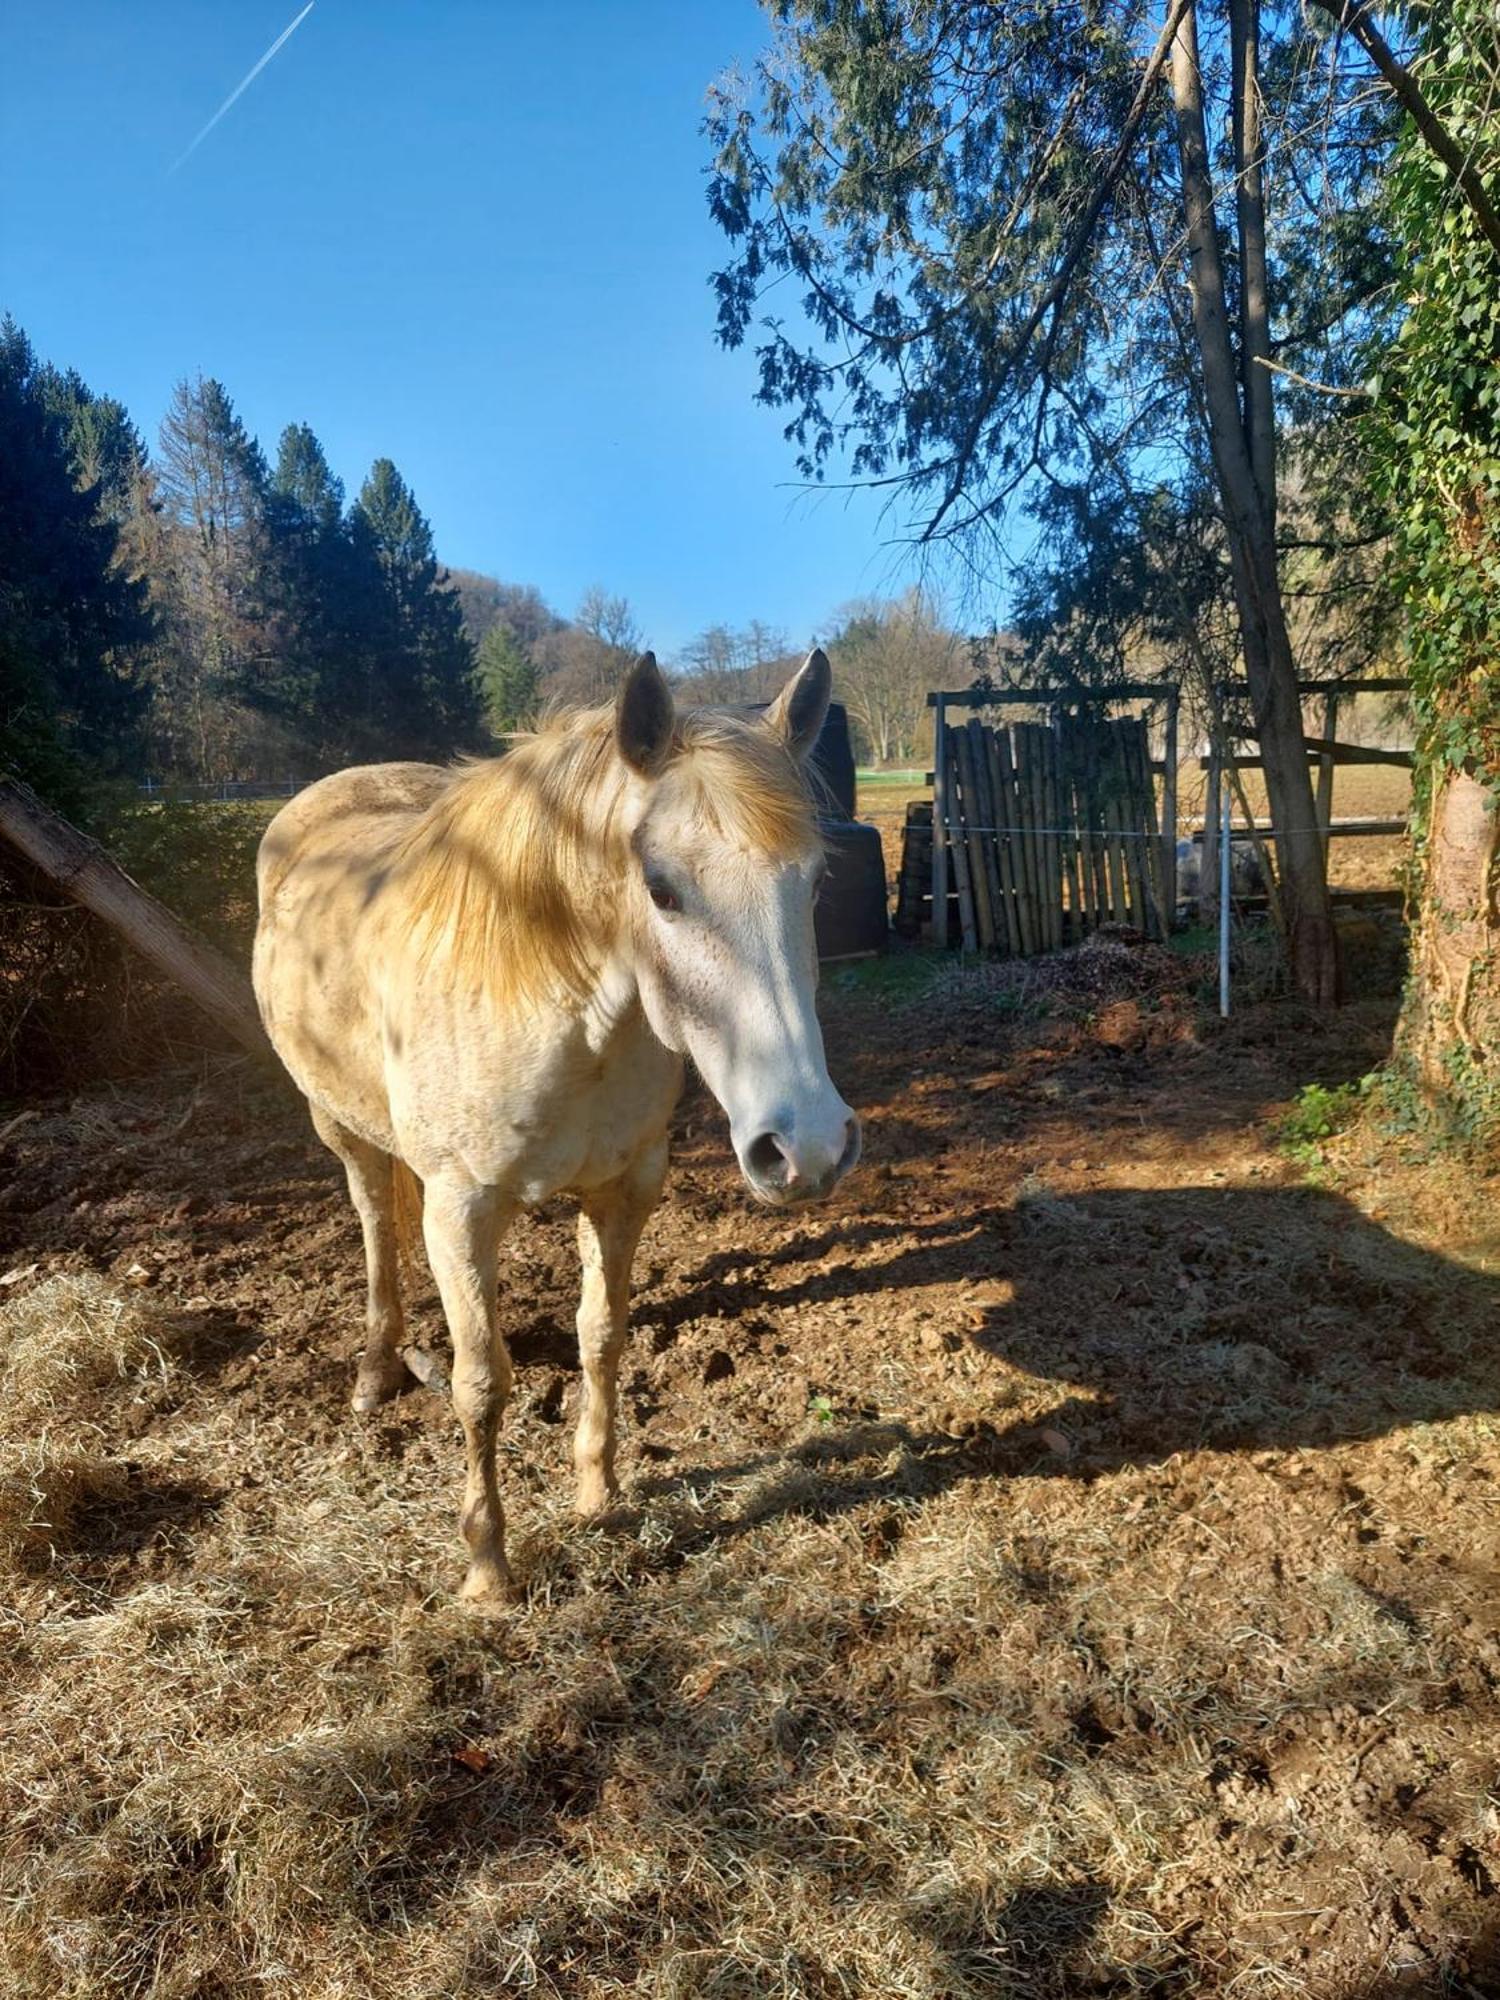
(225, 792)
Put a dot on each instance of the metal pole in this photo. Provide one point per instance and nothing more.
(1169, 810)
(939, 824)
(1224, 906)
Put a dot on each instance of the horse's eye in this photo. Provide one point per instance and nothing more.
(662, 896)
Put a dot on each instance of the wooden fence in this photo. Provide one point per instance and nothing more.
(1324, 751)
(1052, 830)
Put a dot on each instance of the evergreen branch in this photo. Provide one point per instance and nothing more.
(1073, 255)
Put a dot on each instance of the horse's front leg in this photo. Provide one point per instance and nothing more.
(609, 1228)
(462, 1226)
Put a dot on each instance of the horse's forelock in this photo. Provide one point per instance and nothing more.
(745, 783)
(504, 873)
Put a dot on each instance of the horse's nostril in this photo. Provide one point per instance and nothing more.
(767, 1159)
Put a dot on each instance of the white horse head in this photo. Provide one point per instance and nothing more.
(726, 864)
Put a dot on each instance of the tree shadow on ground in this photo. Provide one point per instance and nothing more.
(1190, 1317)
(980, 1074)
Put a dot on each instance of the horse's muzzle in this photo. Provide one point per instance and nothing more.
(780, 1172)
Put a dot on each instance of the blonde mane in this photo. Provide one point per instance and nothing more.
(512, 877)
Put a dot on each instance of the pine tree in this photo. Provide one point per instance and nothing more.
(314, 680)
(213, 486)
(303, 477)
(72, 622)
(106, 449)
(510, 680)
(426, 696)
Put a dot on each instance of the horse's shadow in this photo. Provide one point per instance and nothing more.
(1169, 1320)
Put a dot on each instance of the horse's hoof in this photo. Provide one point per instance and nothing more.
(378, 1383)
(490, 1591)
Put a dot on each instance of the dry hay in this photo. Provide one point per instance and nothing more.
(1113, 969)
(843, 1720)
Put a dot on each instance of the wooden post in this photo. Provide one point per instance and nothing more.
(989, 846)
(1002, 804)
(1168, 808)
(957, 806)
(1154, 849)
(80, 868)
(1010, 741)
(1078, 792)
(1326, 770)
(1040, 734)
(974, 825)
(1053, 847)
(1112, 772)
(1068, 842)
(939, 823)
(1030, 820)
(1099, 823)
(1132, 824)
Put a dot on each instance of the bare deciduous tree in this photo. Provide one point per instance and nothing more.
(887, 657)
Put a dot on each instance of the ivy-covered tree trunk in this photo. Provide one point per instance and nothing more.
(1451, 1029)
(1437, 427)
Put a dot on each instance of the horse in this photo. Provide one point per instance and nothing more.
(486, 979)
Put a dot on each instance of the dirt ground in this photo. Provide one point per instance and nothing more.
(1067, 1564)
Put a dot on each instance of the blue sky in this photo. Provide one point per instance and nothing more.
(469, 236)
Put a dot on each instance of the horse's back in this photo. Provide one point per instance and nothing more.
(336, 820)
(324, 874)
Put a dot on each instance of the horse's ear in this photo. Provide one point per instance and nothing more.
(798, 711)
(644, 717)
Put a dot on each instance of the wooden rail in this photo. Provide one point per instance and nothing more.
(1324, 750)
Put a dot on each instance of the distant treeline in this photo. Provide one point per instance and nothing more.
(201, 613)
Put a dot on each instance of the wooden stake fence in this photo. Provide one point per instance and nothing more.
(1051, 832)
(1041, 832)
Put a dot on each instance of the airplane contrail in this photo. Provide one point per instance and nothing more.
(243, 85)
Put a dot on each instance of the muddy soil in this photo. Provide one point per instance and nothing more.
(1078, 1275)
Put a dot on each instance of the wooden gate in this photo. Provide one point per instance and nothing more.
(1052, 827)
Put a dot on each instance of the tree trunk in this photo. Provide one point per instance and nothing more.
(1243, 444)
(1256, 382)
(1450, 1031)
(81, 869)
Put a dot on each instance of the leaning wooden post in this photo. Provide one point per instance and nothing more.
(80, 868)
(939, 821)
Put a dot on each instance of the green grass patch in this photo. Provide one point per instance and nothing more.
(894, 976)
(197, 857)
